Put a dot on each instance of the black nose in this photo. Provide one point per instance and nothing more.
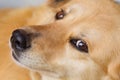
(20, 40)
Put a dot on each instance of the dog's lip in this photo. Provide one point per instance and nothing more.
(15, 56)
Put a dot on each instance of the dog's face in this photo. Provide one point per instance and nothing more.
(83, 41)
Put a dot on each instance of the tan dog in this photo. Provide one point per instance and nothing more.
(11, 19)
(81, 42)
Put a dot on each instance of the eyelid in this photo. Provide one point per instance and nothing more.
(62, 10)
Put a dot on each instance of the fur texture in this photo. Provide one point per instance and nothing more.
(52, 57)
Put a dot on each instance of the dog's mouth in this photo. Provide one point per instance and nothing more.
(22, 54)
(44, 69)
(15, 57)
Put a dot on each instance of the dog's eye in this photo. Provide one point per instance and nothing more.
(60, 15)
(80, 45)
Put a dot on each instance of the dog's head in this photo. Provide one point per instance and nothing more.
(82, 42)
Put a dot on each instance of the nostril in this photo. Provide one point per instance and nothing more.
(20, 40)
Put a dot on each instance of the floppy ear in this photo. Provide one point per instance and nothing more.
(58, 0)
(55, 1)
(114, 69)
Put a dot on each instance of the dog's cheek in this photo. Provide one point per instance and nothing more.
(114, 70)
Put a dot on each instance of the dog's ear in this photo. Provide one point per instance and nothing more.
(56, 3)
(114, 69)
(58, 0)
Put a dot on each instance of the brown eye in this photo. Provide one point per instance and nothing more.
(80, 45)
(60, 15)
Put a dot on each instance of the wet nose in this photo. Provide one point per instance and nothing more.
(20, 40)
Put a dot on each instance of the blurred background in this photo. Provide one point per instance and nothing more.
(22, 3)
(19, 3)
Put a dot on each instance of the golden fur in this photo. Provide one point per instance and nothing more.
(11, 19)
(96, 22)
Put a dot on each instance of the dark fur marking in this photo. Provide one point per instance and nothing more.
(58, 0)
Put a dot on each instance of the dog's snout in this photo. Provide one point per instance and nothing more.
(20, 40)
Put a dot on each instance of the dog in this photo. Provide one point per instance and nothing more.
(11, 19)
(79, 41)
